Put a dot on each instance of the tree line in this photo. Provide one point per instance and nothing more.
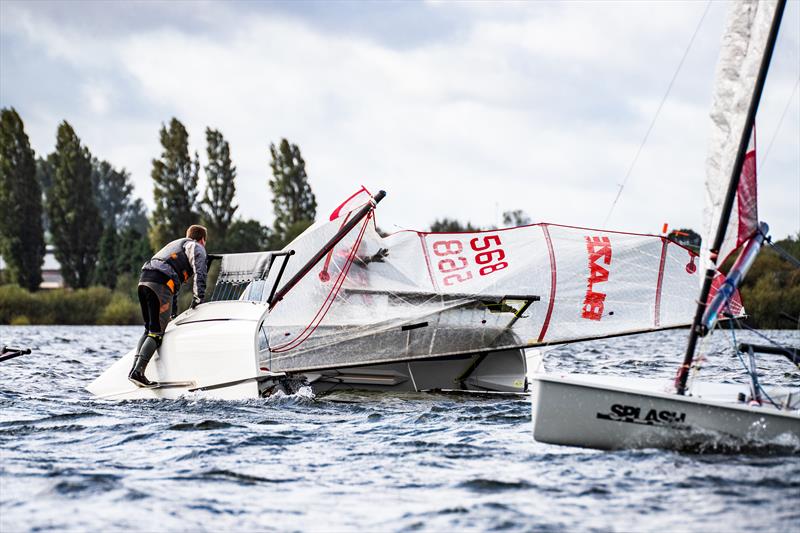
(85, 207)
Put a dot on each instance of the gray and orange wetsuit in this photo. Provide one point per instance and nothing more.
(162, 277)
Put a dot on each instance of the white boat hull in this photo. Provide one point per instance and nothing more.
(215, 351)
(611, 413)
(502, 371)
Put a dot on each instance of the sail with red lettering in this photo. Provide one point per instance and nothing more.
(415, 295)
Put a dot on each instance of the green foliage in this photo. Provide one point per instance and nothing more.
(127, 285)
(295, 229)
(247, 236)
(82, 306)
(133, 250)
(518, 217)
(45, 175)
(16, 301)
(21, 233)
(120, 310)
(686, 237)
(60, 306)
(451, 225)
(174, 186)
(790, 245)
(74, 219)
(106, 272)
(218, 207)
(114, 197)
(293, 202)
(771, 289)
(46, 172)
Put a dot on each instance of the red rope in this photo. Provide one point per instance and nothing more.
(328, 302)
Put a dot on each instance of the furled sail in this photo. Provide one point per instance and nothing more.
(744, 41)
(413, 295)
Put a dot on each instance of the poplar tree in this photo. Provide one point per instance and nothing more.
(118, 209)
(293, 202)
(113, 193)
(174, 186)
(75, 223)
(217, 203)
(133, 249)
(21, 233)
(107, 268)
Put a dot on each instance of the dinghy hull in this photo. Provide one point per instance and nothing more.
(217, 351)
(624, 413)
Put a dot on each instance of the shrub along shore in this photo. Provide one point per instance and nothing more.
(91, 306)
(771, 295)
(94, 305)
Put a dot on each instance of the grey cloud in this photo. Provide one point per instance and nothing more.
(396, 24)
(544, 125)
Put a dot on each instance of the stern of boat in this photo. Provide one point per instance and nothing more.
(207, 352)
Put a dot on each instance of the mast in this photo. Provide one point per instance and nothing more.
(697, 329)
(364, 211)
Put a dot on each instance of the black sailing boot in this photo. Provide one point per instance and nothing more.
(146, 350)
(137, 376)
(141, 341)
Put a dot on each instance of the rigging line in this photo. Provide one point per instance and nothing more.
(658, 111)
(753, 330)
(332, 295)
(783, 253)
(752, 372)
(780, 123)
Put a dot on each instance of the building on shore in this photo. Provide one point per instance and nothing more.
(51, 270)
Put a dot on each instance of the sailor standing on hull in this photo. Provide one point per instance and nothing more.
(159, 284)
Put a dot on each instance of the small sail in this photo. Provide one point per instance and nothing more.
(414, 295)
(743, 45)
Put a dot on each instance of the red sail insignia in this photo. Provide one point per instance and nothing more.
(599, 249)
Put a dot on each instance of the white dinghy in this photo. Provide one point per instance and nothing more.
(620, 412)
(614, 412)
(343, 307)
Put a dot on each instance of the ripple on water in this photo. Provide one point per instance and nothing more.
(204, 425)
(355, 460)
(494, 485)
(234, 477)
(82, 484)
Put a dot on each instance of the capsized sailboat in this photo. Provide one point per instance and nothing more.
(344, 307)
(619, 412)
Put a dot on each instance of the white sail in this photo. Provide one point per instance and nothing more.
(744, 40)
(416, 295)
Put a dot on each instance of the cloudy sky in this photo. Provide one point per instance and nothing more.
(460, 109)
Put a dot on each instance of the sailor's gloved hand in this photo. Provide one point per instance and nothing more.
(195, 302)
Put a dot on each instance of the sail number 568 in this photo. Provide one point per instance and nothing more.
(488, 254)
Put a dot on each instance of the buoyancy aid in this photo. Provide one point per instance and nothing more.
(173, 256)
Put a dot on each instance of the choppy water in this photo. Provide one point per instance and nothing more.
(356, 460)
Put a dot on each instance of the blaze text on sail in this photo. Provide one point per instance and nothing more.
(598, 248)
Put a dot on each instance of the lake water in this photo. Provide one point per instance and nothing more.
(388, 462)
